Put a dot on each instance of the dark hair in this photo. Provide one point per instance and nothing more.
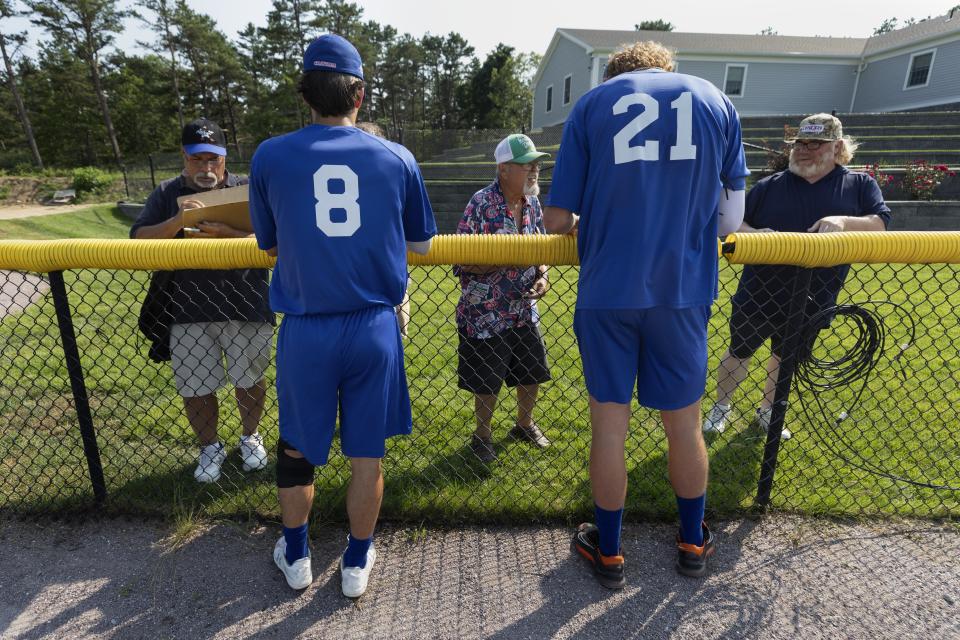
(330, 94)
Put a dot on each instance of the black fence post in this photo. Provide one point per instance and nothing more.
(75, 370)
(153, 177)
(126, 184)
(791, 352)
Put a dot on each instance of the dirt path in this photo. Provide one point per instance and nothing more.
(30, 210)
(782, 577)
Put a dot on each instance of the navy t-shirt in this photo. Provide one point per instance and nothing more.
(339, 204)
(207, 295)
(643, 159)
(787, 202)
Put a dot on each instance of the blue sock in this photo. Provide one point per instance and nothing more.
(296, 543)
(356, 553)
(691, 519)
(609, 522)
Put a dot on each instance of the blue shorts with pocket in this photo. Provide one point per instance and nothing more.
(351, 362)
(663, 351)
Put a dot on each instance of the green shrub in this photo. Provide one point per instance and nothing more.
(91, 180)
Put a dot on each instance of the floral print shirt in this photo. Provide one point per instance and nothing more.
(491, 303)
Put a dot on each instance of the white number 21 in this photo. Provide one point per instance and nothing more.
(684, 149)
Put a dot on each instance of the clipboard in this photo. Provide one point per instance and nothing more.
(230, 206)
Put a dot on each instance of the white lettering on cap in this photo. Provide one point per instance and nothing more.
(324, 63)
(812, 128)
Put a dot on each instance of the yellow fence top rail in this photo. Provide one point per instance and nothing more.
(828, 249)
(809, 250)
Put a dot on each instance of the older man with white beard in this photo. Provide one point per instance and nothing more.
(816, 183)
(497, 316)
(217, 314)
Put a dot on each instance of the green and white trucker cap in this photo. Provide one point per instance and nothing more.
(517, 148)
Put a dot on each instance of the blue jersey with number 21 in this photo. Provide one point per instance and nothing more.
(339, 204)
(642, 160)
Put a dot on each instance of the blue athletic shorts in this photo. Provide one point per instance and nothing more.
(352, 362)
(661, 350)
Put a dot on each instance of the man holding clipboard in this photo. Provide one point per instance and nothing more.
(217, 314)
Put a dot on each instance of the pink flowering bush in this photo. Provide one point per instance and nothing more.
(921, 179)
(877, 172)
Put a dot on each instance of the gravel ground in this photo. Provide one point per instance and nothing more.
(18, 290)
(782, 577)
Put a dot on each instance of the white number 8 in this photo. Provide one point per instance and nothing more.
(327, 202)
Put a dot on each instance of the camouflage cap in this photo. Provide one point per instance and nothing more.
(820, 126)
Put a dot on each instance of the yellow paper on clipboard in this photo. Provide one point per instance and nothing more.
(229, 206)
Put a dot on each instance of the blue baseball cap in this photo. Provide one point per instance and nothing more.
(331, 52)
(203, 136)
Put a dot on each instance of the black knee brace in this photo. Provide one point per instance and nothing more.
(292, 472)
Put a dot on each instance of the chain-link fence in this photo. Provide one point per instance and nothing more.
(455, 163)
(86, 417)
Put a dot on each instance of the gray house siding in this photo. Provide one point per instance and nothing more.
(567, 59)
(773, 88)
(710, 71)
(881, 83)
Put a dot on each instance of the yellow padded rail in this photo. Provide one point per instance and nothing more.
(828, 249)
(499, 250)
(805, 249)
(57, 255)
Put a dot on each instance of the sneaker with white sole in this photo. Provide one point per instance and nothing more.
(762, 419)
(208, 466)
(353, 580)
(299, 575)
(252, 453)
(716, 420)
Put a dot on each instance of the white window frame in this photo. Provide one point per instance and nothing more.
(564, 99)
(548, 99)
(913, 56)
(743, 83)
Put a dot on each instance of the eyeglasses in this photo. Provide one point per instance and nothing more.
(529, 167)
(809, 145)
(201, 161)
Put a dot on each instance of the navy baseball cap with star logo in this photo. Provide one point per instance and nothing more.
(331, 52)
(203, 136)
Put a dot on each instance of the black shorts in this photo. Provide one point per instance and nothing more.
(516, 356)
(750, 328)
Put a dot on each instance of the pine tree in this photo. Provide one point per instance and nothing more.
(86, 27)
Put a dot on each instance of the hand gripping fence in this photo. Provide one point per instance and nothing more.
(867, 386)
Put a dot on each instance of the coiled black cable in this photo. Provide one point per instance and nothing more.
(816, 375)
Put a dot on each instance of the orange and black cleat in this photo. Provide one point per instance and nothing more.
(608, 569)
(691, 559)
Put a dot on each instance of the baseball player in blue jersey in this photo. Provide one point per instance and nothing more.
(653, 163)
(339, 208)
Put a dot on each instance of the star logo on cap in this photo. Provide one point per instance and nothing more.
(205, 134)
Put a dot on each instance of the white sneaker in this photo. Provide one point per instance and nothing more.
(716, 420)
(762, 419)
(211, 459)
(353, 580)
(252, 453)
(299, 575)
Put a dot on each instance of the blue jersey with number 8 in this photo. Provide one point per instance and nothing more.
(339, 204)
(642, 160)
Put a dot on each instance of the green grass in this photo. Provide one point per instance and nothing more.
(98, 221)
(148, 452)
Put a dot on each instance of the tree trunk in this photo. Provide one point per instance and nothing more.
(176, 78)
(21, 110)
(104, 107)
(233, 119)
